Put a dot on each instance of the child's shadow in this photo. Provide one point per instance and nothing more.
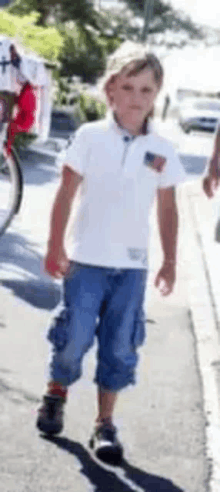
(108, 481)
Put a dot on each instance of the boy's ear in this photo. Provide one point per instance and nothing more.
(110, 97)
(109, 89)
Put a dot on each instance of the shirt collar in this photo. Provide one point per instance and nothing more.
(112, 123)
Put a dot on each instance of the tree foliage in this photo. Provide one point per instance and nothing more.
(89, 108)
(83, 54)
(47, 42)
(165, 17)
(120, 24)
(58, 11)
(79, 37)
(79, 50)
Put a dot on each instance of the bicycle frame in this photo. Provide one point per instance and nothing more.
(16, 162)
(21, 181)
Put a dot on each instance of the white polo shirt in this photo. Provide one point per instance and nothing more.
(118, 189)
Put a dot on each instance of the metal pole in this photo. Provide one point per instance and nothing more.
(148, 15)
(98, 4)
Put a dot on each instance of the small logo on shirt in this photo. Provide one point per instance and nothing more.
(154, 161)
(138, 254)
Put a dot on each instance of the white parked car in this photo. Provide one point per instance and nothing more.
(199, 114)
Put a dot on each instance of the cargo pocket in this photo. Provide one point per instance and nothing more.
(58, 332)
(139, 332)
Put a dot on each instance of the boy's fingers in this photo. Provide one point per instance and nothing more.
(164, 283)
(58, 275)
(64, 265)
(210, 184)
(215, 183)
(57, 270)
(52, 268)
(157, 280)
(166, 290)
(160, 278)
(55, 273)
(207, 187)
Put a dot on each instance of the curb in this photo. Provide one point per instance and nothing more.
(206, 335)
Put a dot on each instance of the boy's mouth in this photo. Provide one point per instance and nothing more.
(136, 108)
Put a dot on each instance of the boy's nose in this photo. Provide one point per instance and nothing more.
(136, 100)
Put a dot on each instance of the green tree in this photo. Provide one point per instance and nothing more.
(165, 18)
(57, 11)
(120, 24)
(83, 53)
(47, 42)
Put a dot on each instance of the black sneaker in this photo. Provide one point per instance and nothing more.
(106, 446)
(50, 414)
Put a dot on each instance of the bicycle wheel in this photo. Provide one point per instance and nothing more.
(11, 186)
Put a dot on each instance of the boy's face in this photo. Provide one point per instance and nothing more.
(132, 98)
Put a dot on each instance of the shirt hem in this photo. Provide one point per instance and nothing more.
(105, 264)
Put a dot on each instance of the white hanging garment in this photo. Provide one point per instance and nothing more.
(31, 69)
(5, 65)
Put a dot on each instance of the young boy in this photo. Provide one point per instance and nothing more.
(120, 164)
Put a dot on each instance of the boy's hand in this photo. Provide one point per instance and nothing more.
(210, 183)
(56, 263)
(166, 277)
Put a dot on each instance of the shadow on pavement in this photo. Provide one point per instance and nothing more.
(37, 169)
(18, 258)
(12, 393)
(104, 481)
(2, 324)
(35, 293)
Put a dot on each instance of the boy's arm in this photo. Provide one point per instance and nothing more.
(168, 227)
(211, 181)
(56, 262)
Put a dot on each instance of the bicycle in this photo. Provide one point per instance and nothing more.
(26, 83)
(11, 183)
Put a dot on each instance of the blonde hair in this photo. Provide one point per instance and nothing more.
(131, 59)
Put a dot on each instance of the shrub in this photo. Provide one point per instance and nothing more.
(24, 139)
(83, 54)
(89, 108)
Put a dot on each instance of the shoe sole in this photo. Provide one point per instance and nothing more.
(108, 454)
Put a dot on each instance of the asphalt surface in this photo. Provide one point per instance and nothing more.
(161, 421)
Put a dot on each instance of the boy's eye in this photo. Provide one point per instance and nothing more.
(146, 89)
(127, 87)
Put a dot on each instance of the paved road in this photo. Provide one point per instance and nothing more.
(161, 420)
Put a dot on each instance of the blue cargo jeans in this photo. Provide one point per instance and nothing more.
(102, 302)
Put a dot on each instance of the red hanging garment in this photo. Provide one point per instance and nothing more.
(25, 119)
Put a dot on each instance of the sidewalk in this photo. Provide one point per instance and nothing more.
(202, 252)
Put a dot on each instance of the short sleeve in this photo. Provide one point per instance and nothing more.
(173, 173)
(77, 151)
